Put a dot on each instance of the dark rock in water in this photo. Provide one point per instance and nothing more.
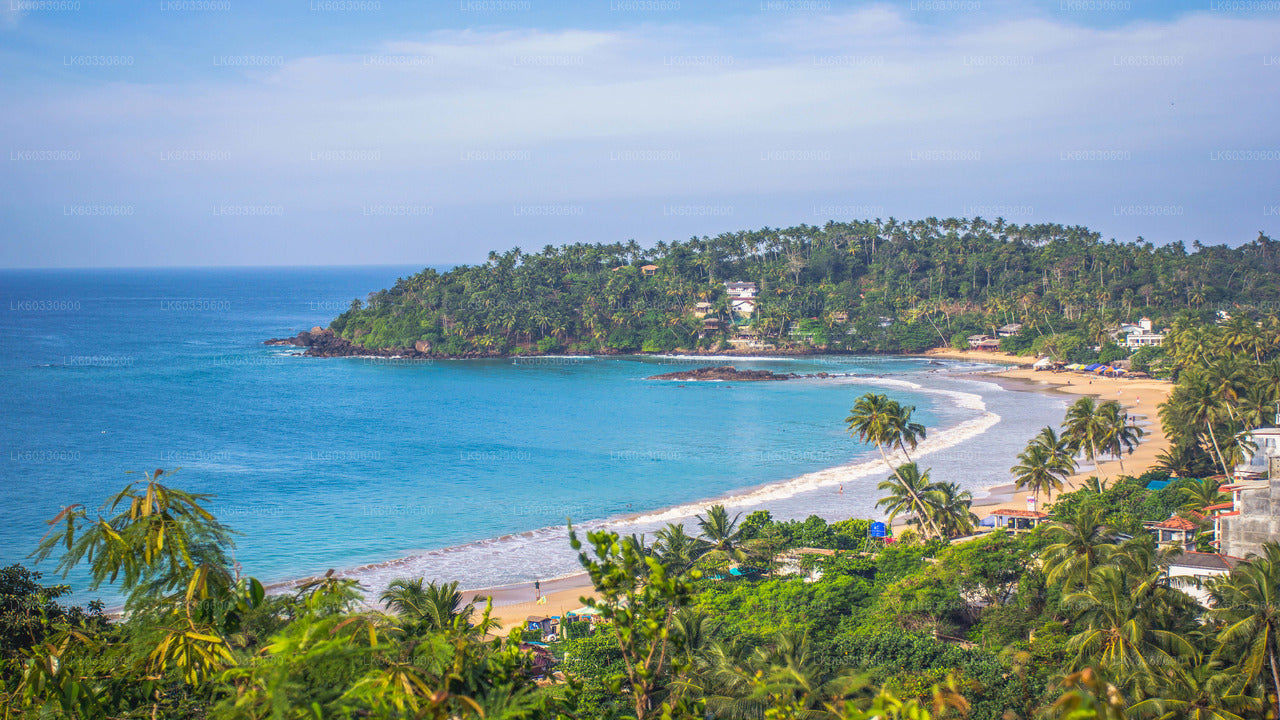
(723, 372)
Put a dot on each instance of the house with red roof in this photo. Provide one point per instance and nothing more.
(1175, 532)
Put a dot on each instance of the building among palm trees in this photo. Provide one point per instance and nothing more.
(1177, 531)
(1144, 336)
(742, 297)
(1188, 570)
(983, 342)
(1015, 520)
(1254, 517)
(1009, 330)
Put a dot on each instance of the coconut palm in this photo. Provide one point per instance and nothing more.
(880, 421)
(909, 491)
(1079, 544)
(720, 533)
(1194, 404)
(1118, 434)
(1084, 429)
(1203, 493)
(951, 509)
(677, 550)
(1044, 465)
(1247, 605)
(1119, 616)
(1198, 689)
(435, 606)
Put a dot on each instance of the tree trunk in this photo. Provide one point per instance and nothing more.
(924, 515)
(1275, 678)
(1221, 460)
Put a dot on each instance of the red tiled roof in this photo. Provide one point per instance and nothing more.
(1220, 506)
(1229, 514)
(1174, 523)
(1019, 513)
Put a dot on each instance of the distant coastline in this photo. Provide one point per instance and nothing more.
(323, 343)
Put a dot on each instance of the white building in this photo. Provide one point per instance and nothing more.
(742, 297)
(1189, 570)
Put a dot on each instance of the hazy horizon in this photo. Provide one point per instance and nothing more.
(211, 133)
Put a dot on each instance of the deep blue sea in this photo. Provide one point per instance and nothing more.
(455, 469)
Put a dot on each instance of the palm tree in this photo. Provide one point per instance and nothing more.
(721, 533)
(436, 606)
(1079, 545)
(1247, 604)
(1084, 429)
(1119, 616)
(951, 507)
(1194, 404)
(675, 549)
(1196, 690)
(1201, 494)
(878, 420)
(1118, 435)
(908, 490)
(1044, 465)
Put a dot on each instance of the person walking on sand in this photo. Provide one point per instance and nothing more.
(537, 589)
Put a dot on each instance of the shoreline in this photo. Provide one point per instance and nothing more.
(514, 602)
(1139, 396)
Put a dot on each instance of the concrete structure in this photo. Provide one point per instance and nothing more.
(1255, 498)
(1143, 339)
(1189, 570)
(1009, 330)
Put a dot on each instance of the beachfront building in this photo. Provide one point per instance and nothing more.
(1143, 336)
(1015, 520)
(1188, 571)
(1174, 532)
(1254, 517)
(548, 625)
(1143, 339)
(983, 342)
(1009, 330)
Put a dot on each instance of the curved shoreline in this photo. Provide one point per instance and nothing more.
(375, 574)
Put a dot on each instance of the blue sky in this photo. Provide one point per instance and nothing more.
(223, 132)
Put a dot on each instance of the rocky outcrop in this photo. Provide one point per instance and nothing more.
(723, 372)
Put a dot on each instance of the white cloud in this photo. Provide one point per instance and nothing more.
(824, 106)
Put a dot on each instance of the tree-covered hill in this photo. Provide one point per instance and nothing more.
(860, 286)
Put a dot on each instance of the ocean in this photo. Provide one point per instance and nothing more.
(459, 470)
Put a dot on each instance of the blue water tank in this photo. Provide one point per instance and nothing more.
(878, 530)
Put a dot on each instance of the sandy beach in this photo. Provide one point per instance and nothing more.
(1141, 397)
(514, 603)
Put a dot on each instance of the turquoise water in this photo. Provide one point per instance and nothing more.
(339, 463)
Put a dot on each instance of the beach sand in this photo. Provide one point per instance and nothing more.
(513, 603)
(1141, 397)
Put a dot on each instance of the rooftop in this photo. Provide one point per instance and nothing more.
(1174, 523)
(1019, 513)
(1204, 561)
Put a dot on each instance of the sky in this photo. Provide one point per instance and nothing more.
(344, 132)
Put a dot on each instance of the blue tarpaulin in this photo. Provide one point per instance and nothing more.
(1091, 368)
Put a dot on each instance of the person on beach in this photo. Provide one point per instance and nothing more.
(537, 589)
